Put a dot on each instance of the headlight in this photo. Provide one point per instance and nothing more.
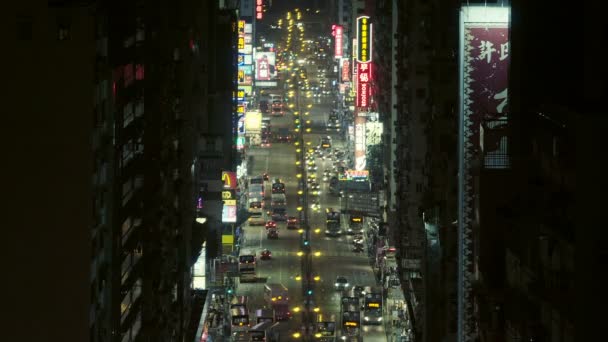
(379, 319)
(337, 284)
(346, 284)
(366, 318)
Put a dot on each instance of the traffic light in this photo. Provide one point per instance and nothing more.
(309, 292)
(229, 290)
(306, 242)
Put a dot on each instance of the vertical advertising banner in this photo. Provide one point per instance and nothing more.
(360, 160)
(259, 9)
(265, 67)
(364, 76)
(364, 39)
(241, 27)
(484, 61)
(345, 70)
(338, 33)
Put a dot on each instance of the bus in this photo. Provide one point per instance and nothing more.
(239, 320)
(332, 222)
(277, 297)
(325, 328)
(247, 261)
(278, 207)
(239, 302)
(372, 306)
(351, 318)
(264, 331)
(355, 224)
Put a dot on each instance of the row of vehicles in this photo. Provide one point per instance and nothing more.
(256, 197)
(333, 223)
(263, 326)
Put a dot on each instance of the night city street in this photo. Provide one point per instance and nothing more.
(304, 170)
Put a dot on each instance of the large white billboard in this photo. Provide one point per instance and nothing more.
(265, 66)
(253, 122)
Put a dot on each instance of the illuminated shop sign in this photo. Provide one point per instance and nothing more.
(241, 27)
(259, 9)
(364, 76)
(338, 33)
(364, 39)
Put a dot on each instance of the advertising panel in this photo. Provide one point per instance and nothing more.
(247, 89)
(373, 134)
(253, 122)
(259, 9)
(241, 27)
(240, 129)
(363, 88)
(483, 64)
(241, 59)
(248, 59)
(360, 160)
(240, 94)
(229, 214)
(265, 69)
(338, 33)
(345, 70)
(364, 39)
(229, 179)
(247, 49)
(248, 39)
(248, 28)
(245, 75)
(241, 44)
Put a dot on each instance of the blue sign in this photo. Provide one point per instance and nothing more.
(241, 59)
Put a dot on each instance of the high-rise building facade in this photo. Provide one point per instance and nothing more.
(119, 103)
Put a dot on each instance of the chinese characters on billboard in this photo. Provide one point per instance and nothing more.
(259, 9)
(484, 63)
(360, 160)
(364, 39)
(364, 76)
(345, 70)
(265, 69)
(338, 33)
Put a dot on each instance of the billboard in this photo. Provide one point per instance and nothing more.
(229, 180)
(247, 89)
(253, 122)
(364, 75)
(229, 214)
(259, 9)
(338, 33)
(248, 28)
(483, 76)
(345, 70)
(245, 75)
(360, 160)
(364, 39)
(241, 27)
(265, 66)
(373, 132)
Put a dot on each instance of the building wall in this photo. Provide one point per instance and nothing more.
(48, 100)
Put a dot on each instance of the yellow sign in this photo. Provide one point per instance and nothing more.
(227, 239)
(350, 324)
(241, 44)
(230, 202)
(226, 195)
(241, 76)
(240, 109)
(241, 94)
(373, 305)
(356, 219)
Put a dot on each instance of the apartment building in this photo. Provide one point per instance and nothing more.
(114, 94)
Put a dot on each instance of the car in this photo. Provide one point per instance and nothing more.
(292, 222)
(265, 143)
(271, 224)
(278, 188)
(266, 254)
(272, 234)
(341, 283)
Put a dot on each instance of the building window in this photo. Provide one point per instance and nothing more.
(139, 72)
(64, 31)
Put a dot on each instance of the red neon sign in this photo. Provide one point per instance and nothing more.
(259, 9)
(364, 77)
(338, 36)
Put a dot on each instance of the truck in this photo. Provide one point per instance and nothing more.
(332, 222)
